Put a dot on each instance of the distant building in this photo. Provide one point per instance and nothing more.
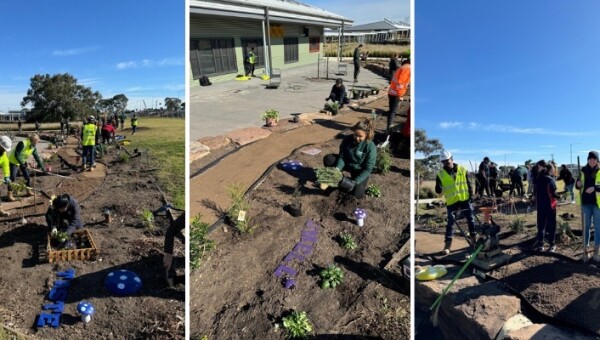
(223, 32)
(13, 115)
(386, 31)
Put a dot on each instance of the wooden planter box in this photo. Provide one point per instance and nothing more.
(82, 254)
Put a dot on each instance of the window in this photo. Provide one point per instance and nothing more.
(314, 44)
(290, 50)
(212, 57)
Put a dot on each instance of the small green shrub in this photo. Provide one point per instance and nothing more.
(297, 325)
(333, 107)
(517, 225)
(329, 175)
(123, 158)
(199, 244)
(238, 203)
(347, 242)
(373, 191)
(271, 114)
(148, 219)
(331, 277)
(384, 160)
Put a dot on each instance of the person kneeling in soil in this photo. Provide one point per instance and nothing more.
(64, 215)
(18, 161)
(588, 184)
(108, 131)
(452, 181)
(174, 230)
(545, 197)
(338, 93)
(357, 155)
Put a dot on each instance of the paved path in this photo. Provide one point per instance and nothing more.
(232, 105)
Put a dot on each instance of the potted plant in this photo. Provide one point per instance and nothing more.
(328, 176)
(271, 117)
(355, 94)
(375, 90)
(334, 107)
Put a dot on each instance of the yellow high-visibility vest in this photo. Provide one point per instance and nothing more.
(597, 183)
(27, 151)
(89, 135)
(455, 190)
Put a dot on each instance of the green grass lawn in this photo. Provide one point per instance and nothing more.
(165, 140)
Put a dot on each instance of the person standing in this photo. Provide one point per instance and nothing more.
(356, 60)
(397, 90)
(588, 185)
(569, 180)
(545, 197)
(529, 180)
(134, 123)
(122, 118)
(484, 177)
(251, 61)
(18, 158)
(452, 181)
(88, 142)
(5, 147)
(493, 178)
(20, 125)
(393, 66)
(516, 180)
(358, 155)
(37, 126)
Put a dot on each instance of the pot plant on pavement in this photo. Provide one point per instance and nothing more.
(271, 117)
(333, 107)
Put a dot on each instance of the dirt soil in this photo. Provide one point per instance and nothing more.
(155, 312)
(235, 293)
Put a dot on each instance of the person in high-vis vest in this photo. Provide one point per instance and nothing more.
(18, 157)
(588, 183)
(5, 147)
(88, 142)
(251, 61)
(397, 89)
(452, 180)
(134, 123)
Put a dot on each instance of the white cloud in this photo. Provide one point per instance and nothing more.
(451, 125)
(150, 63)
(509, 129)
(174, 87)
(89, 81)
(548, 146)
(74, 51)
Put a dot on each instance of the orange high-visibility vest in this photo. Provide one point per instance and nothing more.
(400, 81)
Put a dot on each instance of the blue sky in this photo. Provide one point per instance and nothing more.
(512, 80)
(364, 12)
(130, 47)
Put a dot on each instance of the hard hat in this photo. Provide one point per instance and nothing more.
(91, 119)
(5, 143)
(445, 155)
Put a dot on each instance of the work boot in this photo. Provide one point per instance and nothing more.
(10, 197)
(596, 257)
(447, 246)
(30, 193)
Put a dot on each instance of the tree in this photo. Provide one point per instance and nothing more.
(172, 104)
(430, 148)
(119, 103)
(57, 96)
(528, 162)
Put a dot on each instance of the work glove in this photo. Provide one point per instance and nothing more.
(54, 231)
(6, 180)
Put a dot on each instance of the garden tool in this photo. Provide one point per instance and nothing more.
(51, 174)
(385, 143)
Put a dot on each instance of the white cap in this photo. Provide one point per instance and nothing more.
(445, 155)
(5, 143)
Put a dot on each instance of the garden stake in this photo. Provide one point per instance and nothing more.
(438, 302)
(585, 248)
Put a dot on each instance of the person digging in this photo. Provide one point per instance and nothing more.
(358, 155)
(174, 230)
(64, 215)
(18, 158)
(88, 143)
(452, 181)
(5, 147)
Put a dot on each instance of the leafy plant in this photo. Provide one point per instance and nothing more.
(238, 203)
(329, 175)
(271, 114)
(60, 237)
(373, 191)
(347, 242)
(123, 158)
(333, 107)
(148, 219)
(565, 234)
(331, 277)
(199, 244)
(384, 160)
(297, 325)
(516, 226)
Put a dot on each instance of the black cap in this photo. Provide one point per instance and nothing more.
(593, 154)
(486, 159)
(61, 202)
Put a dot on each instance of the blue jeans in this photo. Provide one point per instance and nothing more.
(88, 154)
(591, 211)
(570, 190)
(467, 210)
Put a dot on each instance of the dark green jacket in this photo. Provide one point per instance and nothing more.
(361, 156)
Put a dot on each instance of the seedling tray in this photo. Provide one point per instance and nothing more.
(81, 254)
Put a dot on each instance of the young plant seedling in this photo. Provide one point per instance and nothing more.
(373, 191)
(237, 213)
(19, 188)
(384, 160)
(148, 219)
(328, 176)
(516, 226)
(199, 244)
(297, 325)
(331, 277)
(347, 242)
